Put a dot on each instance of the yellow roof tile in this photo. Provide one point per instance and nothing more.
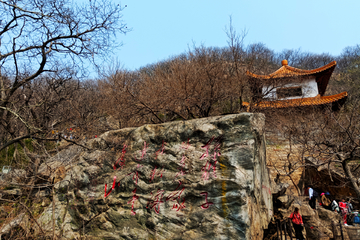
(299, 102)
(321, 74)
(287, 71)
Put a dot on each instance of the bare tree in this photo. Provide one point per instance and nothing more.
(55, 37)
(320, 137)
(198, 84)
(335, 139)
(238, 66)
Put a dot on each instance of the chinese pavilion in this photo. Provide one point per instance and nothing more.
(293, 87)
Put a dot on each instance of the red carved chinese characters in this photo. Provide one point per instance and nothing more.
(132, 201)
(214, 169)
(206, 170)
(113, 187)
(180, 173)
(136, 174)
(182, 163)
(206, 146)
(143, 152)
(183, 159)
(211, 152)
(178, 206)
(121, 158)
(155, 201)
(217, 144)
(158, 174)
(207, 204)
(161, 150)
(211, 163)
(175, 196)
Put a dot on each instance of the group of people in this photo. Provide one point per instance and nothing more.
(326, 201)
(343, 207)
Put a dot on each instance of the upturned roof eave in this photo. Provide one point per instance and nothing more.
(287, 71)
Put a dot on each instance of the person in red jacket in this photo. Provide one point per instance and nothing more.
(344, 210)
(297, 223)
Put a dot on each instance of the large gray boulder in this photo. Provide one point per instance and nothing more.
(198, 179)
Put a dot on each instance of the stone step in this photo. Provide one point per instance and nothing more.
(353, 232)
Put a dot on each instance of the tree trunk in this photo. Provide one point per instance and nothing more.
(349, 174)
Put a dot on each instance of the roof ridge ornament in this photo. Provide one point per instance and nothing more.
(284, 62)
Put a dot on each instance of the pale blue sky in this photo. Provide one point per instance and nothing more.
(165, 28)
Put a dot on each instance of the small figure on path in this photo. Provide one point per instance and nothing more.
(335, 206)
(325, 201)
(297, 223)
(344, 211)
(312, 197)
(350, 206)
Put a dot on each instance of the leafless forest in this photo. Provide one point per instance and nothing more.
(46, 103)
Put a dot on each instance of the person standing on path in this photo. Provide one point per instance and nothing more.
(349, 206)
(344, 211)
(335, 206)
(325, 201)
(297, 223)
(312, 198)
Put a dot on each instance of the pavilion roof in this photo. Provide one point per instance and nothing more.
(321, 74)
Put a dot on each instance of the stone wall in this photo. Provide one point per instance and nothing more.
(198, 179)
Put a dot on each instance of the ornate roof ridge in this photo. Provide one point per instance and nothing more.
(288, 71)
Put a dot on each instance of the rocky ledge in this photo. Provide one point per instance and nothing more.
(198, 179)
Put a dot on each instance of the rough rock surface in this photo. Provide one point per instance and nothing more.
(198, 179)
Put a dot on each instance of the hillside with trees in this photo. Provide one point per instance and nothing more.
(47, 104)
